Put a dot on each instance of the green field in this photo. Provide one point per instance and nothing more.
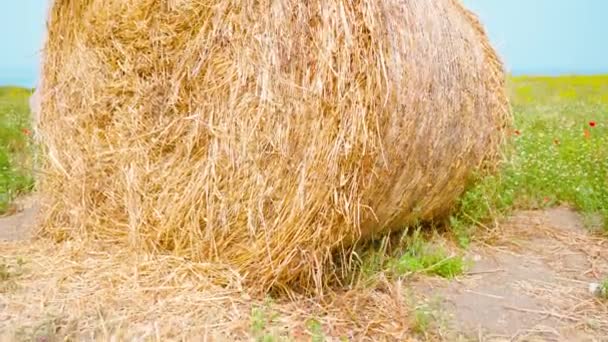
(557, 152)
(15, 136)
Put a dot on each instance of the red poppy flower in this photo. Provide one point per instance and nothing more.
(517, 132)
(592, 123)
(26, 131)
(587, 134)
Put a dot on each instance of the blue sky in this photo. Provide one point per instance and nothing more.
(21, 26)
(548, 36)
(533, 36)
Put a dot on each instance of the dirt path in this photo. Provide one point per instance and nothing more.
(18, 226)
(529, 282)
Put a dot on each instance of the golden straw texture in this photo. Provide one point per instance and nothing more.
(262, 135)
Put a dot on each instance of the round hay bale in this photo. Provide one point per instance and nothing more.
(262, 135)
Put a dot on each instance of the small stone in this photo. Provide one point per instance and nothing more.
(595, 289)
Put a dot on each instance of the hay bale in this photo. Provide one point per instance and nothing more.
(263, 135)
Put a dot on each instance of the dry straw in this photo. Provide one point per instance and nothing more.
(265, 136)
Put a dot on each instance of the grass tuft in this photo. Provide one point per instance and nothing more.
(315, 329)
(421, 256)
(414, 253)
(422, 320)
(604, 289)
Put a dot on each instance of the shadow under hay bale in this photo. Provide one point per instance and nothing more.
(263, 135)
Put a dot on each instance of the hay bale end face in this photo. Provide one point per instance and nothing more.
(263, 135)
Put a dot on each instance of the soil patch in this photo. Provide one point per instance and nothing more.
(530, 281)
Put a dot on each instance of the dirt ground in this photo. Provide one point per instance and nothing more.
(20, 224)
(529, 281)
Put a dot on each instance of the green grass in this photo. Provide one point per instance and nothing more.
(555, 155)
(263, 327)
(15, 174)
(604, 289)
(422, 320)
(414, 253)
(315, 329)
(421, 256)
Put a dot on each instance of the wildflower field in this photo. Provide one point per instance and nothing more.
(15, 169)
(557, 154)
